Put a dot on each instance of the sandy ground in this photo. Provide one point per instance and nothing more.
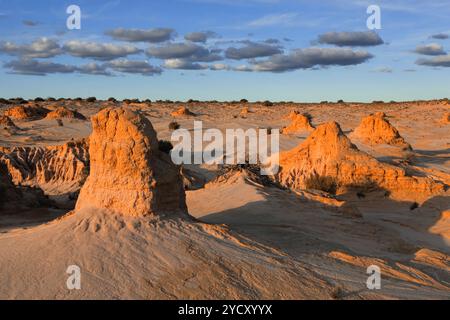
(258, 241)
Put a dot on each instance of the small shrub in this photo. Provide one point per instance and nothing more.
(165, 146)
(60, 123)
(91, 99)
(267, 103)
(174, 125)
(244, 101)
(51, 99)
(112, 99)
(326, 184)
(340, 101)
(414, 206)
(39, 99)
(18, 100)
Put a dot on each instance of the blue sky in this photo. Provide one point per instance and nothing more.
(226, 49)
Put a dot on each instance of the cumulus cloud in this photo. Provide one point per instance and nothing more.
(351, 39)
(200, 36)
(34, 67)
(134, 67)
(219, 67)
(439, 61)
(42, 68)
(37, 68)
(94, 69)
(432, 49)
(310, 58)
(252, 50)
(40, 48)
(440, 36)
(142, 35)
(98, 51)
(187, 51)
(183, 65)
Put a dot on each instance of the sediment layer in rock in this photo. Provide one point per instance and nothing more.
(376, 129)
(327, 155)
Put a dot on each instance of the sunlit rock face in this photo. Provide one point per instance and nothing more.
(128, 173)
(328, 152)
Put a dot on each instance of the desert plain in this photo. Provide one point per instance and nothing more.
(87, 183)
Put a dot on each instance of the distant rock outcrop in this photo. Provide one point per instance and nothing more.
(329, 155)
(300, 124)
(244, 112)
(292, 115)
(376, 129)
(182, 112)
(63, 112)
(128, 172)
(26, 112)
(54, 169)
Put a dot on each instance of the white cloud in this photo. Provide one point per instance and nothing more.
(40, 48)
(98, 51)
(432, 49)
